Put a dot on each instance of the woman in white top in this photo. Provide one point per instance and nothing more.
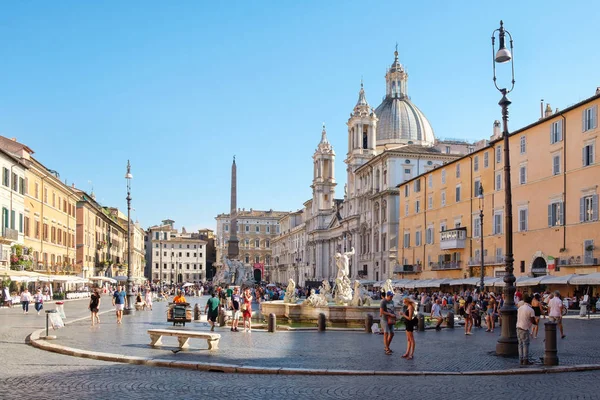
(38, 298)
(148, 298)
(25, 300)
(7, 298)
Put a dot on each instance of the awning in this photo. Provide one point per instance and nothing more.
(529, 281)
(400, 283)
(67, 279)
(591, 279)
(103, 279)
(557, 280)
(501, 283)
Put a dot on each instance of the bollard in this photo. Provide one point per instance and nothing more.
(421, 323)
(48, 336)
(197, 312)
(456, 307)
(272, 323)
(322, 323)
(222, 317)
(550, 350)
(450, 320)
(368, 323)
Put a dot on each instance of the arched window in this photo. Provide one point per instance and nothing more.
(256, 259)
(257, 243)
(376, 213)
(377, 177)
(268, 260)
(376, 241)
(247, 258)
(384, 211)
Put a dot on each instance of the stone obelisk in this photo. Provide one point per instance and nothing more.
(233, 248)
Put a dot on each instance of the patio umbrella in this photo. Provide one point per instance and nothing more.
(187, 284)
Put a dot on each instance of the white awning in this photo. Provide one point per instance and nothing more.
(591, 279)
(534, 281)
(501, 283)
(557, 280)
(103, 279)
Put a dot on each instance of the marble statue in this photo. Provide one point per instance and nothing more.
(360, 297)
(342, 261)
(325, 290)
(234, 272)
(315, 300)
(290, 292)
(387, 286)
(343, 291)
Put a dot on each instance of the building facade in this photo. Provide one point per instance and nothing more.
(386, 146)
(555, 179)
(289, 258)
(256, 230)
(175, 257)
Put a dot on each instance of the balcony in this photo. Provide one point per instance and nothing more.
(453, 239)
(9, 235)
(576, 261)
(475, 262)
(445, 265)
(408, 269)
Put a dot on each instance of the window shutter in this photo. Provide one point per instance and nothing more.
(595, 207)
(594, 116)
(583, 156)
(551, 134)
(583, 121)
(561, 213)
(582, 209)
(560, 130)
(549, 214)
(591, 154)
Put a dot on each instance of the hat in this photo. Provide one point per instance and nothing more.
(390, 293)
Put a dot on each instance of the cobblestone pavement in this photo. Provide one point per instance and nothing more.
(31, 373)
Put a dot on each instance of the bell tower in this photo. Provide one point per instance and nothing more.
(323, 184)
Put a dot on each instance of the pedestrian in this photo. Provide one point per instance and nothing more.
(491, 314)
(7, 298)
(25, 300)
(212, 310)
(525, 320)
(38, 299)
(94, 306)
(118, 301)
(468, 315)
(409, 323)
(537, 310)
(388, 320)
(436, 313)
(555, 315)
(247, 309)
(235, 309)
(148, 298)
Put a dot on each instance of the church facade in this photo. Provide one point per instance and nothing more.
(387, 146)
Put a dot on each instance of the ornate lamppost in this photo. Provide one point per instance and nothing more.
(130, 295)
(507, 344)
(481, 203)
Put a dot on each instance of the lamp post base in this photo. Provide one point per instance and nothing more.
(508, 344)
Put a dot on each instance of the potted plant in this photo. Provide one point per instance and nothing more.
(589, 247)
(563, 250)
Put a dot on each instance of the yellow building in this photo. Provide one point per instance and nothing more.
(555, 183)
(49, 220)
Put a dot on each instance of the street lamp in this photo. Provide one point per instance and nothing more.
(507, 344)
(130, 296)
(481, 203)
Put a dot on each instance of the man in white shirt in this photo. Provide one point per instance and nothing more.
(436, 313)
(556, 305)
(525, 319)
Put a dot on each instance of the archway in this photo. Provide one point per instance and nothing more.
(539, 266)
(257, 275)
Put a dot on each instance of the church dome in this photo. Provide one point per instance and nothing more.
(400, 121)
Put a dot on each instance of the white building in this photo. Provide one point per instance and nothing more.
(12, 191)
(289, 258)
(177, 257)
(386, 146)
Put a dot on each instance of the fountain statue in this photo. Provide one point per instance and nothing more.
(290, 292)
(325, 290)
(315, 300)
(343, 288)
(387, 286)
(360, 297)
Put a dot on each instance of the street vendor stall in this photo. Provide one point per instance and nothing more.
(179, 313)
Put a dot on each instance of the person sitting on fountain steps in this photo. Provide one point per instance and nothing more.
(388, 320)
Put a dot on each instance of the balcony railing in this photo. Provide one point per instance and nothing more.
(453, 239)
(408, 269)
(474, 262)
(576, 260)
(445, 265)
(10, 234)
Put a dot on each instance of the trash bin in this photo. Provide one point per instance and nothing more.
(60, 308)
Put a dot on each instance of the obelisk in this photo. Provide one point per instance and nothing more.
(233, 248)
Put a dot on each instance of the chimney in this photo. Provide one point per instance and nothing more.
(598, 90)
(496, 131)
(14, 139)
(548, 111)
(541, 108)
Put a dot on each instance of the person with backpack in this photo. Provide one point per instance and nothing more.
(235, 307)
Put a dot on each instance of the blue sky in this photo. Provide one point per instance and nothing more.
(180, 87)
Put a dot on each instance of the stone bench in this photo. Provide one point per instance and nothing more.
(183, 337)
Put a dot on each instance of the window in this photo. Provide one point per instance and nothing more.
(37, 191)
(588, 155)
(476, 163)
(476, 188)
(257, 229)
(406, 190)
(226, 228)
(247, 228)
(257, 243)
(556, 164)
(588, 208)
(457, 193)
(498, 222)
(555, 213)
(458, 170)
(523, 144)
(523, 174)
(590, 118)
(430, 202)
(499, 256)
(476, 227)
(383, 241)
(523, 214)
(430, 181)
(442, 227)
(406, 208)
(26, 226)
(417, 186)
(267, 243)
(21, 185)
(498, 154)
(429, 235)
(486, 159)
(417, 206)
(443, 197)
(447, 149)
(268, 229)
(498, 180)
(187, 254)
(556, 132)
(406, 239)
(418, 238)
(443, 177)
(20, 223)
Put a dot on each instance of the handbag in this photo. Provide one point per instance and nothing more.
(244, 307)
